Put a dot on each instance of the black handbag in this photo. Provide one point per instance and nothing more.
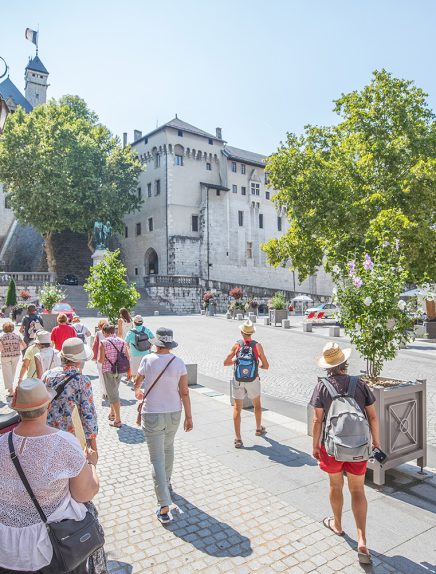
(73, 541)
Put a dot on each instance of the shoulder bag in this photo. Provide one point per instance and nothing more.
(73, 541)
(141, 404)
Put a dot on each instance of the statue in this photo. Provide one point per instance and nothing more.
(107, 233)
(97, 235)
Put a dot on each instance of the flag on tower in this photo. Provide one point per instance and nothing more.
(32, 36)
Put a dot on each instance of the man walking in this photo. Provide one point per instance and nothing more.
(246, 357)
(30, 325)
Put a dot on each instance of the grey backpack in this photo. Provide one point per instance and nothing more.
(347, 436)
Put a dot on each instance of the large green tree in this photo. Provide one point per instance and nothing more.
(64, 170)
(368, 180)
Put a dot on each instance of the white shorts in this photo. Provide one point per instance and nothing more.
(240, 389)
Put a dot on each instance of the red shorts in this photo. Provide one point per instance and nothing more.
(329, 464)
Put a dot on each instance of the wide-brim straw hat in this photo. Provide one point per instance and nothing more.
(75, 350)
(32, 394)
(332, 356)
(247, 328)
(43, 337)
(164, 339)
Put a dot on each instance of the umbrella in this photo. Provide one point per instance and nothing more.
(302, 298)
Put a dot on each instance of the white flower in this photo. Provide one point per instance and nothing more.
(386, 244)
(336, 269)
(367, 301)
(401, 305)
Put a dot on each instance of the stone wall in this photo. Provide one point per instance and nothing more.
(178, 300)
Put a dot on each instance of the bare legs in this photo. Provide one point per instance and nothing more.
(237, 408)
(337, 500)
(257, 412)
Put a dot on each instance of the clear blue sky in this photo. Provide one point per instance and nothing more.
(255, 68)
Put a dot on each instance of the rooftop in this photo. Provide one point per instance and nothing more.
(244, 156)
(36, 65)
(178, 124)
(9, 90)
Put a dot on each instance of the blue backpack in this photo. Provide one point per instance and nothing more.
(246, 365)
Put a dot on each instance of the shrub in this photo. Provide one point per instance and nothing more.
(277, 301)
(236, 293)
(24, 294)
(50, 294)
(11, 296)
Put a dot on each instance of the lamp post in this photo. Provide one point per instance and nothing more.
(4, 110)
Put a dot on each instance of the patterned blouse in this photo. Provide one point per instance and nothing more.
(77, 392)
(112, 345)
(10, 345)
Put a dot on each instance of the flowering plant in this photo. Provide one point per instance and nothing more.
(236, 293)
(207, 298)
(24, 294)
(368, 295)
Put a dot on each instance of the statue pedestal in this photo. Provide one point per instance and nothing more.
(98, 256)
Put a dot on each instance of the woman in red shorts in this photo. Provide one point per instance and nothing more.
(334, 360)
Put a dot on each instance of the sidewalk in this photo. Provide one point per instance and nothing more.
(258, 509)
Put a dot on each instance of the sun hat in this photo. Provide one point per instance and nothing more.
(247, 328)
(138, 319)
(75, 350)
(332, 356)
(164, 339)
(43, 337)
(32, 394)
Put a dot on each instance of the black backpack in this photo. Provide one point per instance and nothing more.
(122, 363)
(142, 340)
(246, 364)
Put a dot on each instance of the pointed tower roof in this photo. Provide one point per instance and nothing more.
(36, 65)
(9, 90)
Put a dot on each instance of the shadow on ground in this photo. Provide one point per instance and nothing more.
(117, 567)
(283, 453)
(206, 533)
(130, 435)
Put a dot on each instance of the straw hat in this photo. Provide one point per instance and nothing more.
(75, 350)
(32, 394)
(332, 356)
(164, 339)
(247, 328)
(43, 337)
(138, 320)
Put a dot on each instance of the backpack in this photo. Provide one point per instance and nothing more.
(80, 334)
(246, 364)
(122, 363)
(347, 435)
(35, 325)
(142, 341)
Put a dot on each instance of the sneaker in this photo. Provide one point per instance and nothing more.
(163, 518)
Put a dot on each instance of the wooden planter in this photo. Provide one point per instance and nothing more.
(276, 316)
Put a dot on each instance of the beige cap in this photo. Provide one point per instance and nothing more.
(43, 337)
(138, 319)
(32, 394)
(247, 328)
(75, 350)
(332, 356)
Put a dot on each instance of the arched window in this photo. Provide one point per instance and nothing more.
(151, 262)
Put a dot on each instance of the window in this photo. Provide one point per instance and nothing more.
(157, 160)
(218, 192)
(209, 167)
(266, 179)
(267, 195)
(243, 190)
(235, 188)
(242, 168)
(7, 202)
(136, 271)
(194, 223)
(279, 223)
(234, 166)
(241, 218)
(249, 250)
(255, 188)
(150, 224)
(180, 133)
(157, 187)
(145, 140)
(138, 229)
(179, 159)
(210, 141)
(126, 232)
(149, 189)
(261, 220)
(139, 193)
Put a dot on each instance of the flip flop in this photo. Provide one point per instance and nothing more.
(111, 417)
(364, 558)
(261, 431)
(238, 443)
(115, 424)
(328, 524)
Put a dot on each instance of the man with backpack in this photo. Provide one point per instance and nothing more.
(138, 342)
(30, 325)
(246, 357)
(344, 405)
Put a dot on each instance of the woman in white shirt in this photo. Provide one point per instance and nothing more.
(59, 475)
(125, 323)
(47, 358)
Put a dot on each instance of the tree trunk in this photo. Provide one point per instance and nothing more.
(49, 251)
(90, 244)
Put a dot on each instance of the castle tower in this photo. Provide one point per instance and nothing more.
(36, 76)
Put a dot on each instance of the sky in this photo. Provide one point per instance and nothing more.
(258, 69)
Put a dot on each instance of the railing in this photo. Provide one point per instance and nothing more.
(170, 281)
(27, 277)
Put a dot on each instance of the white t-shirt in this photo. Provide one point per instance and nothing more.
(49, 358)
(164, 397)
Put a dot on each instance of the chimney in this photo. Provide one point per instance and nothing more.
(124, 139)
(137, 135)
(219, 133)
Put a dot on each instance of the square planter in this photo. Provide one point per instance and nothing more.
(276, 316)
(49, 320)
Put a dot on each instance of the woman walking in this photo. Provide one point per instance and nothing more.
(11, 346)
(138, 341)
(95, 350)
(164, 382)
(125, 323)
(47, 358)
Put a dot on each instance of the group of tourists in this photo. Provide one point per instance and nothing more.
(55, 400)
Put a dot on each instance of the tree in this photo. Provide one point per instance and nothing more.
(64, 170)
(350, 188)
(107, 287)
(11, 295)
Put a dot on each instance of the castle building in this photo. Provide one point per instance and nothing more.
(207, 211)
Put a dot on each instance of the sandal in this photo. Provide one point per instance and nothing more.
(328, 524)
(115, 424)
(111, 417)
(261, 431)
(364, 558)
(238, 443)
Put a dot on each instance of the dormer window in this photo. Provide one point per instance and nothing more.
(180, 133)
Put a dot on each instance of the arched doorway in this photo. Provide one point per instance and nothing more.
(151, 262)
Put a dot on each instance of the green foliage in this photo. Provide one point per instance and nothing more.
(11, 295)
(50, 294)
(64, 170)
(370, 179)
(371, 311)
(277, 301)
(107, 287)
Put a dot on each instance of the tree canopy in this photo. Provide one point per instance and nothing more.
(369, 180)
(64, 170)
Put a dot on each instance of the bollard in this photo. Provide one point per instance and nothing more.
(286, 324)
(252, 317)
(156, 313)
(192, 374)
(307, 327)
(228, 316)
(247, 403)
(203, 312)
(240, 317)
(334, 331)
(264, 320)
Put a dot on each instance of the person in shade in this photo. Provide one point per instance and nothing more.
(138, 341)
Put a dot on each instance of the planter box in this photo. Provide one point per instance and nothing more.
(276, 316)
(402, 415)
(49, 320)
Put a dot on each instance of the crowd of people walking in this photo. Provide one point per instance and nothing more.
(55, 446)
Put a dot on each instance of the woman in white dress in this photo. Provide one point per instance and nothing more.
(125, 323)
